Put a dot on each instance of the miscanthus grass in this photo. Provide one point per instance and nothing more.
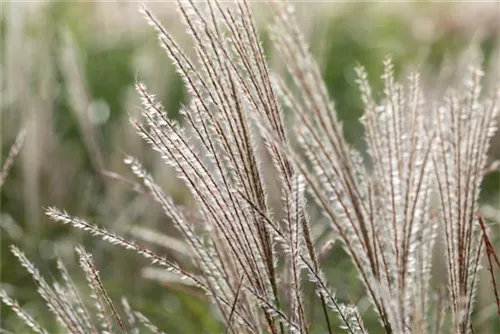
(426, 163)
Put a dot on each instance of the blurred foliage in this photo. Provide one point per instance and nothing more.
(59, 167)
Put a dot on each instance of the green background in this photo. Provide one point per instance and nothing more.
(68, 71)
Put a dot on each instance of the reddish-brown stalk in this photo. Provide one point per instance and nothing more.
(490, 253)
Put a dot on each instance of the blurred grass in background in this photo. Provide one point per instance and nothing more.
(67, 76)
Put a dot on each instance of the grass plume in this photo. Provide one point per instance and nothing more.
(253, 263)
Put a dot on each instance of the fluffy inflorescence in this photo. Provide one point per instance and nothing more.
(381, 209)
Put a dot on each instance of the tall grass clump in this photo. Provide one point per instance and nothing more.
(422, 175)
